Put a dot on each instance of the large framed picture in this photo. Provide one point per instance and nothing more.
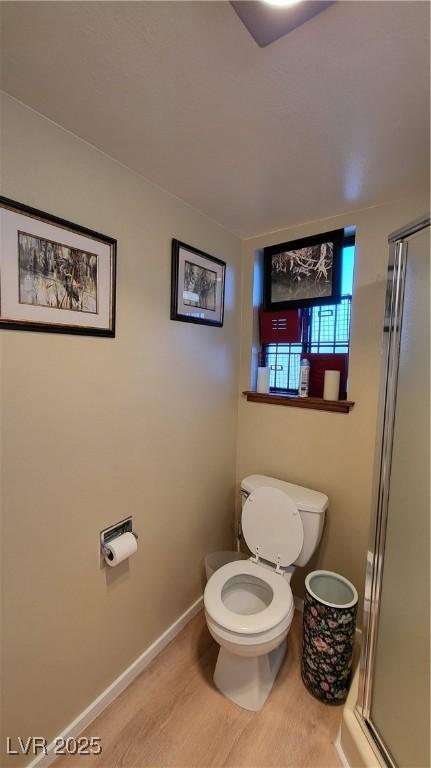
(54, 275)
(303, 272)
(197, 289)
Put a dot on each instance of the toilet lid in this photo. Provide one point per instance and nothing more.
(272, 526)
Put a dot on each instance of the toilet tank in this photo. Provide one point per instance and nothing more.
(312, 506)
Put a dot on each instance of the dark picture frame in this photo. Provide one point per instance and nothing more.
(197, 286)
(55, 276)
(304, 272)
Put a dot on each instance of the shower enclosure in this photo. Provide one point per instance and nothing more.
(393, 705)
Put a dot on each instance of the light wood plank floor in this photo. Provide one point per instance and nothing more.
(172, 716)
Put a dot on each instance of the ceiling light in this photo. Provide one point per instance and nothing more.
(268, 20)
(281, 3)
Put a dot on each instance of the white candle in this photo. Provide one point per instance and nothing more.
(263, 380)
(331, 387)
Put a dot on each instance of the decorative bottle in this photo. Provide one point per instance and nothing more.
(304, 377)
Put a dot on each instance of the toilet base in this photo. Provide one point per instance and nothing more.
(247, 680)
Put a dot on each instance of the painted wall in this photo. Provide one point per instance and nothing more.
(96, 429)
(329, 452)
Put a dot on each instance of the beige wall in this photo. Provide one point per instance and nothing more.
(329, 452)
(96, 429)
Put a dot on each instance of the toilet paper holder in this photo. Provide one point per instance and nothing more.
(124, 526)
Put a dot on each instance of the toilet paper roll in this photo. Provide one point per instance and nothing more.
(263, 380)
(120, 549)
(331, 387)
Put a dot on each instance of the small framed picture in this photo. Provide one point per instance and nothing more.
(197, 289)
(55, 276)
(303, 272)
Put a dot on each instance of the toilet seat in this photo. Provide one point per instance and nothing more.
(248, 624)
(272, 526)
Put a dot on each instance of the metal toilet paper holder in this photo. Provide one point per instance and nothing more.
(124, 526)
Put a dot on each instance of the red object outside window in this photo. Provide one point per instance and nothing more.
(281, 327)
(319, 363)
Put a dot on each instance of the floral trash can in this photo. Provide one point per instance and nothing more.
(330, 607)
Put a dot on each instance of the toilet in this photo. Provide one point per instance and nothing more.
(249, 604)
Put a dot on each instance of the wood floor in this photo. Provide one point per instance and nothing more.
(172, 716)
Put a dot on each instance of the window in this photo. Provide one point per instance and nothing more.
(324, 329)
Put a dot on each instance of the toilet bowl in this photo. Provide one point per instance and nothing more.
(249, 611)
(249, 604)
(248, 608)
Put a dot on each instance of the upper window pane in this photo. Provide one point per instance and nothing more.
(347, 270)
(331, 323)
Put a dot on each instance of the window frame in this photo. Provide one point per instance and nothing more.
(306, 343)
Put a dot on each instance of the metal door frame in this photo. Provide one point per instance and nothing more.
(398, 247)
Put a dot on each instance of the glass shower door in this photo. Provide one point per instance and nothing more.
(396, 701)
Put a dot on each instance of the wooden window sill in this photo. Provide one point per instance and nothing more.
(314, 403)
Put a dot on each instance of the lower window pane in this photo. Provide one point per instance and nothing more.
(284, 361)
(329, 332)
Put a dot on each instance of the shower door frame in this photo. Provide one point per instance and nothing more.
(398, 246)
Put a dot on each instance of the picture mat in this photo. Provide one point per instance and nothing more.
(186, 309)
(10, 223)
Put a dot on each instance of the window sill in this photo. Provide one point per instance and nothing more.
(313, 403)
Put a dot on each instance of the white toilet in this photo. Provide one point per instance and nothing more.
(249, 603)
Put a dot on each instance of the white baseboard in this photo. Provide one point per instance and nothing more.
(299, 606)
(89, 714)
(340, 751)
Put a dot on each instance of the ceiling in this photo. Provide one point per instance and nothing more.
(331, 117)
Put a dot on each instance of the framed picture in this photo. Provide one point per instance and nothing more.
(303, 272)
(197, 289)
(54, 275)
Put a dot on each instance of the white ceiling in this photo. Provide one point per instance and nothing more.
(331, 117)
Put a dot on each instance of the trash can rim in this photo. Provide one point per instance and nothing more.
(338, 576)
